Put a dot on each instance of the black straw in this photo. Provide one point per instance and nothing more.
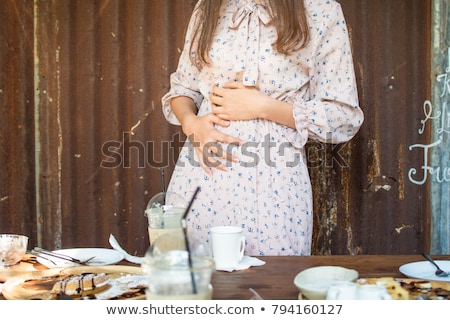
(163, 185)
(186, 241)
(190, 203)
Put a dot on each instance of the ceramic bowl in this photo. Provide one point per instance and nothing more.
(12, 248)
(313, 283)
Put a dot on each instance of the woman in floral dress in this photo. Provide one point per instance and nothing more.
(255, 81)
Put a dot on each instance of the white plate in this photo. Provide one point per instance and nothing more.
(425, 270)
(102, 256)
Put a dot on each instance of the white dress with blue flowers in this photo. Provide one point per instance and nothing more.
(268, 192)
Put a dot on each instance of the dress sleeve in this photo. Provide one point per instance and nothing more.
(184, 81)
(331, 113)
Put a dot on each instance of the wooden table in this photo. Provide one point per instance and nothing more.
(275, 279)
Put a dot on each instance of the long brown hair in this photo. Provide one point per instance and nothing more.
(289, 17)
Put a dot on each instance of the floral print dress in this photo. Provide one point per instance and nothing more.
(268, 192)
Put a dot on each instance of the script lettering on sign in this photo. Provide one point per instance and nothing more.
(440, 117)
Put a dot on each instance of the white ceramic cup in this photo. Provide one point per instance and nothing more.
(372, 292)
(342, 290)
(228, 244)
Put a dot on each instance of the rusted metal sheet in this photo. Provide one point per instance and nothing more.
(370, 206)
(17, 185)
(103, 66)
(101, 139)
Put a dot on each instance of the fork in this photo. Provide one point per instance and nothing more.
(39, 252)
(439, 272)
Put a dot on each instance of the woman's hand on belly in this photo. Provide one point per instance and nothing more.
(234, 101)
(206, 140)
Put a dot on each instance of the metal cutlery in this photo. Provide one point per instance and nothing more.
(439, 272)
(47, 253)
(35, 254)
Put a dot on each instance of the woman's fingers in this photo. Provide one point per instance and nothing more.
(209, 161)
(219, 111)
(214, 149)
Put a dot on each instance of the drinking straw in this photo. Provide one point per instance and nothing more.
(163, 184)
(190, 204)
(186, 241)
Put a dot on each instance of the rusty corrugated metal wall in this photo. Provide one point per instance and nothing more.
(80, 89)
(371, 206)
(17, 184)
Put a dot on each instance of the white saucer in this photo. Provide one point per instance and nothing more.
(425, 270)
(102, 256)
(245, 263)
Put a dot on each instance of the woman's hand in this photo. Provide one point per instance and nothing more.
(205, 138)
(234, 101)
(202, 132)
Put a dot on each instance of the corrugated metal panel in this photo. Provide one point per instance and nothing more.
(102, 67)
(17, 195)
(440, 152)
(370, 206)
